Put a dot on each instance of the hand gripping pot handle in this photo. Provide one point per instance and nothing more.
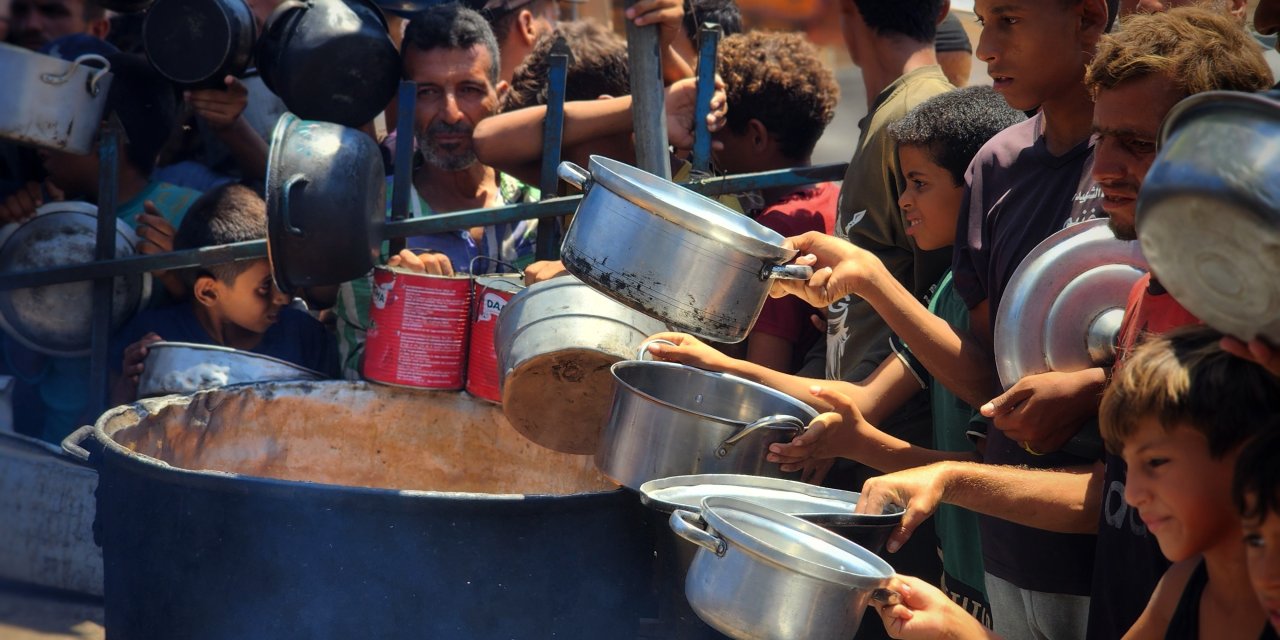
(574, 175)
(792, 423)
(690, 526)
(644, 347)
(71, 443)
(787, 272)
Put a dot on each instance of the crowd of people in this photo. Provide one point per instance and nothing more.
(1007, 530)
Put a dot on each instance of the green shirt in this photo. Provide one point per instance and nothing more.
(171, 200)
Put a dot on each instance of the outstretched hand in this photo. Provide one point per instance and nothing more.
(839, 269)
(682, 108)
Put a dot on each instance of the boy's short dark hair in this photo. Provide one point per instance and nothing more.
(1256, 487)
(229, 213)
(722, 12)
(778, 79)
(451, 26)
(598, 66)
(914, 19)
(1184, 378)
(147, 106)
(951, 127)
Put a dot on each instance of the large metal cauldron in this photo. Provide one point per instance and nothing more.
(341, 510)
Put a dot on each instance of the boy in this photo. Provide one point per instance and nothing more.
(1256, 491)
(1180, 410)
(234, 304)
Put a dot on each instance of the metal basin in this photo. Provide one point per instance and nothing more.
(183, 367)
(51, 103)
(347, 510)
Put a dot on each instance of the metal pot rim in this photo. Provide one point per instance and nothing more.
(715, 509)
(650, 495)
(248, 355)
(699, 214)
(1188, 108)
(809, 411)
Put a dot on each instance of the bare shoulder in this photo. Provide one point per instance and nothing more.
(1154, 621)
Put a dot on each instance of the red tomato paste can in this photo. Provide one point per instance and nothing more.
(490, 295)
(417, 329)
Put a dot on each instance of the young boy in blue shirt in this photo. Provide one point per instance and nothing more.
(233, 304)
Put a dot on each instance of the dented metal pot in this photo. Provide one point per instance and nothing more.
(51, 103)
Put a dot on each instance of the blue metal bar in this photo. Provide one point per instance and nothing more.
(397, 229)
(709, 40)
(403, 177)
(548, 243)
(648, 98)
(104, 250)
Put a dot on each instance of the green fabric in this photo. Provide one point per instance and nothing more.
(171, 200)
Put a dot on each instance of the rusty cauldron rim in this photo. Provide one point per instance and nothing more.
(103, 430)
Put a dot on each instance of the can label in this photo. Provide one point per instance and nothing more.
(491, 294)
(417, 329)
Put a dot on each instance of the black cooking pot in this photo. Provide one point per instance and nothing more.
(330, 60)
(125, 6)
(196, 43)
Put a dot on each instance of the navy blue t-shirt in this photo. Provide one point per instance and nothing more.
(295, 337)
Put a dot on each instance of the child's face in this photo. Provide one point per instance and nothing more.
(1028, 45)
(1262, 553)
(931, 201)
(252, 302)
(1181, 493)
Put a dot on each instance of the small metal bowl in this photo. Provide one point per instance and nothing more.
(183, 367)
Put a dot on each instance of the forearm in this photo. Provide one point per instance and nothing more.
(515, 138)
(1064, 501)
(955, 358)
(247, 147)
(886, 453)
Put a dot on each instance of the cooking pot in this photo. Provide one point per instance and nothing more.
(326, 202)
(671, 253)
(51, 103)
(670, 419)
(125, 6)
(1209, 213)
(555, 343)
(764, 575)
(6, 403)
(1064, 304)
(327, 510)
(330, 60)
(183, 367)
(196, 43)
(56, 319)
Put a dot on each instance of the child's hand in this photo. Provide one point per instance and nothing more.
(1255, 350)
(688, 350)
(543, 270)
(667, 14)
(22, 204)
(220, 107)
(681, 106)
(135, 356)
(835, 434)
(154, 232)
(926, 612)
(435, 264)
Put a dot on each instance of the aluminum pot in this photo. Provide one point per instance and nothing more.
(1209, 213)
(183, 367)
(671, 253)
(196, 43)
(330, 60)
(670, 419)
(56, 319)
(764, 575)
(51, 103)
(555, 343)
(333, 510)
(326, 203)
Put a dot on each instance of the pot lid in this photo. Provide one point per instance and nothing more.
(57, 319)
(787, 496)
(689, 209)
(1062, 308)
(794, 544)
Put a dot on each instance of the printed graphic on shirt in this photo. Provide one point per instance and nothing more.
(837, 336)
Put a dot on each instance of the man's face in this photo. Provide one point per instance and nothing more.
(37, 22)
(1028, 45)
(1126, 124)
(454, 93)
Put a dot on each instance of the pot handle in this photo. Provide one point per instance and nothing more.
(62, 78)
(689, 525)
(644, 347)
(71, 443)
(794, 424)
(289, 184)
(574, 175)
(787, 272)
(886, 597)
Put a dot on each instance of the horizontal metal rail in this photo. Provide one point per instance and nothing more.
(399, 229)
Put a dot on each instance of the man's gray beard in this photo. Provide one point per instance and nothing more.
(445, 162)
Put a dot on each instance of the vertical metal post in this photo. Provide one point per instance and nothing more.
(648, 98)
(105, 249)
(548, 245)
(402, 179)
(709, 39)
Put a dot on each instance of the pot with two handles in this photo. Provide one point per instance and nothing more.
(670, 419)
(51, 103)
(672, 253)
(761, 574)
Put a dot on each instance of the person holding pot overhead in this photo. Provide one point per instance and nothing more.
(450, 52)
